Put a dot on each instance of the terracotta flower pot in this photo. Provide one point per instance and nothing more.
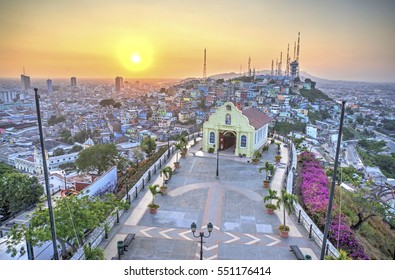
(182, 154)
(270, 211)
(284, 234)
(153, 211)
(266, 184)
(176, 164)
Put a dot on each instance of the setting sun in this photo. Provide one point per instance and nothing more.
(136, 58)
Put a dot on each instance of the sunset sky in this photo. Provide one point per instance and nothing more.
(347, 40)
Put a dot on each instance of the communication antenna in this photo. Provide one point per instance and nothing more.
(204, 66)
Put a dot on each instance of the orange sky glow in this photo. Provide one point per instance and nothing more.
(347, 40)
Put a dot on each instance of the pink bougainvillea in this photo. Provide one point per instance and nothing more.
(315, 196)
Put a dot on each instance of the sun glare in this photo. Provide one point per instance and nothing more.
(135, 54)
(136, 58)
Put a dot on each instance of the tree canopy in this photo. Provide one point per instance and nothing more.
(148, 146)
(110, 102)
(74, 216)
(55, 120)
(17, 192)
(98, 158)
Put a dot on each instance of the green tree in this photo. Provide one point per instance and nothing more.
(138, 156)
(81, 136)
(74, 216)
(107, 102)
(367, 204)
(148, 146)
(93, 254)
(155, 190)
(117, 105)
(75, 148)
(98, 158)
(287, 201)
(68, 166)
(269, 168)
(18, 191)
(272, 195)
(5, 168)
(66, 136)
(55, 120)
(58, 152)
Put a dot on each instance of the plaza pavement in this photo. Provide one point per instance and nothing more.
(233, 203)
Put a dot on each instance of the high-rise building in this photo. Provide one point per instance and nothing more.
(73, 81)
(25, 82)
(118, 83)
(49, 85)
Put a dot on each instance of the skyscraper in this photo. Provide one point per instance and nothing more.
(49, 85)
(73, 81)
(25, 82)
(118, 83)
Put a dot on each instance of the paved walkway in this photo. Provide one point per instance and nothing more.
(233, 203)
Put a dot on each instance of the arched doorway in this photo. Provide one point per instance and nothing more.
(227, 139)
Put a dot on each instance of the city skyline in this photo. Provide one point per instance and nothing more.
(341, 40)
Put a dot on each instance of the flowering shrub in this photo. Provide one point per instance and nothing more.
(315, 195)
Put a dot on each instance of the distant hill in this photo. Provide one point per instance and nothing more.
(303, 76)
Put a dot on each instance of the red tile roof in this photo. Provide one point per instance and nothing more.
(256, 118)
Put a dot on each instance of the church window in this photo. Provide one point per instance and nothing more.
(228, 107)
(243, 141)
(212, 138)
(228, 119)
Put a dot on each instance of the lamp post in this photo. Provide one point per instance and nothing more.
(64, 177)
(332, 190)
(46, 179)
(217, 172)
(201, 235)
(168, 143)
(125, 172)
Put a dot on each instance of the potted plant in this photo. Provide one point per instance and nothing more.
(286, 200)
(153, 207)
(278, 158)
(179, 147)
(278, 148)
(166, 172)
(184, 142)
(257, 157)
(270, 207)
(269, 168)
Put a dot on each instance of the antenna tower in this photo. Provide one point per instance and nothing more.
(249, 66)
(280, 64)
(287, 67)
(297, 53)
(271, 73)
(204, 66)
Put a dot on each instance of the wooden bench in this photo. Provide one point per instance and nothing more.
(295, 249)
(128, 239)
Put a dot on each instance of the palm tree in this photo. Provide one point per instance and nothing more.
(166, 172)
(268, 167)
(155, 190)
(179, 147)
(183, 141)
(287, 201)
(271, 196)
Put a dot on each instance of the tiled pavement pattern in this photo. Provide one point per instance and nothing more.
(233, 203)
